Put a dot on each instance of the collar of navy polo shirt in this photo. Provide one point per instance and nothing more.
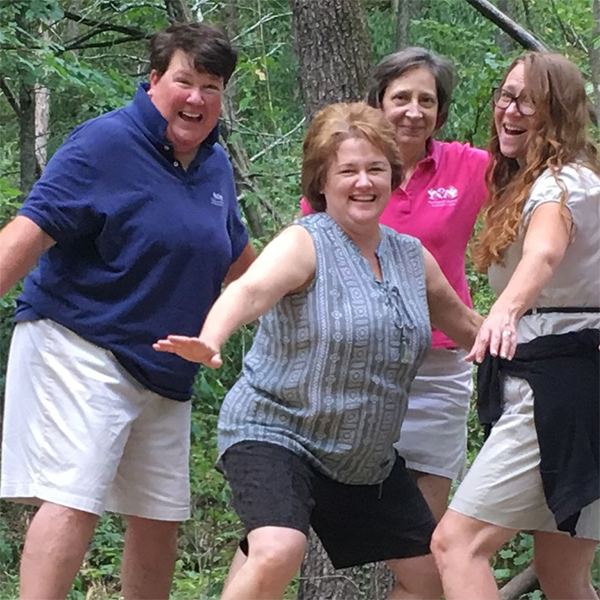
(146, 116)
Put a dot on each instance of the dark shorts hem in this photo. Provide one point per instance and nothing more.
(357, 524)
(379, 557)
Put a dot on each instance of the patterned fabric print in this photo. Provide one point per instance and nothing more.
(330, 369)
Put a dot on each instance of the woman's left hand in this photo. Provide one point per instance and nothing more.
(498, 334)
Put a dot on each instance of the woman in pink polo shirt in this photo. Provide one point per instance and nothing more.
(437, 202)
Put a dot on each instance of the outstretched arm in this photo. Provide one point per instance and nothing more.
(446, 310)
(544, 247)
(286, 265)
(22, 242)
(240, 266)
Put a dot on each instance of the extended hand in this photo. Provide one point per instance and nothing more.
(190, 348)
(498, 333)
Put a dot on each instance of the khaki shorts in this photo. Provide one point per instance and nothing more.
(433, 436)
(504, 485)
(79, 431)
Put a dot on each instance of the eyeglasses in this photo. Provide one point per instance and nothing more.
(503, 98)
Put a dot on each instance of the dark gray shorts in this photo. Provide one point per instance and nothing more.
(357, 524)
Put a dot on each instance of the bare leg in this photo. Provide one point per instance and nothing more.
(274, 557)
(239, 560)
(149, 558)
(54, 548)
(416, 577)
(435, 490)
(563, 565)
(462, 547)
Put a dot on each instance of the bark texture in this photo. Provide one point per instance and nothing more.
(594, 54)
(401, 9)
(332, 47)
(319, 580)
(523, 583)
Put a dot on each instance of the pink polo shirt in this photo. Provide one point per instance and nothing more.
(439, 207)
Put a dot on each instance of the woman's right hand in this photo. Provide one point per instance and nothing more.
(498, 335)
(190, 348)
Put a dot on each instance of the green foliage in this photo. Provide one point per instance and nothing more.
(88, 81)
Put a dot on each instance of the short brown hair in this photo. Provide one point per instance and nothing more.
(333, 125)
(208, 46)
(396, 64)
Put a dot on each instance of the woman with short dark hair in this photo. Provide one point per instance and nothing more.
(136, 225)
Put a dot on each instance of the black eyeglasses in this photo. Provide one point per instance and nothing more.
(503, 98)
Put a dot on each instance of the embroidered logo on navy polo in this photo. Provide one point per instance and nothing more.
(217, 199)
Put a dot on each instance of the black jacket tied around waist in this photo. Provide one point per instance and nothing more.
(564, 373)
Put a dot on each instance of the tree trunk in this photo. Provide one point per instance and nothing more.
(178, 11)
(594, 54)
(235, 146)
(319, 580)
(28, 168)
(401, 9)
(332, 47)
(41, 95)
(28, 164)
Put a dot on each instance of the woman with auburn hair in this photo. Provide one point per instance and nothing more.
(538, 384)
(306, 434)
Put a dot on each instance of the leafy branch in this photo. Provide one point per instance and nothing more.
(101, 26)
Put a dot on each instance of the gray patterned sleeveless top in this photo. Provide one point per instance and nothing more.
(330, 369)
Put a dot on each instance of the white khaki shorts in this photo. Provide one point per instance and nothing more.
(504, 485)
(79, 431)
(433, 436)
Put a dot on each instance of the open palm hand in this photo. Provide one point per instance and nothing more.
(190, 348)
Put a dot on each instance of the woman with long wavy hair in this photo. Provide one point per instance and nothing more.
(538, 381)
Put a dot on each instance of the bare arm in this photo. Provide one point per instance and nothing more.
(544, 247)
(240, 266)
(446, 310)
(22, 242)
(286, 265)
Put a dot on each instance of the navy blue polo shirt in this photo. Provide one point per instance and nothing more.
(142, 245)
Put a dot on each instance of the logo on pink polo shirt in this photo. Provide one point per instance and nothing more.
(443, 196)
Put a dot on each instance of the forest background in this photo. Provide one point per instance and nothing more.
(65, 61)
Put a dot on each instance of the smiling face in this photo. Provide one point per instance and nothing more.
(358, 185)
(514, 129)
(190, 101)
(410, 103)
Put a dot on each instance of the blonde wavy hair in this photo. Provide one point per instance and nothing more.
(556, 88)
(333, 125)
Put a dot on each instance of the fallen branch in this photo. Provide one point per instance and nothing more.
(514, 30)
(526, 581)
